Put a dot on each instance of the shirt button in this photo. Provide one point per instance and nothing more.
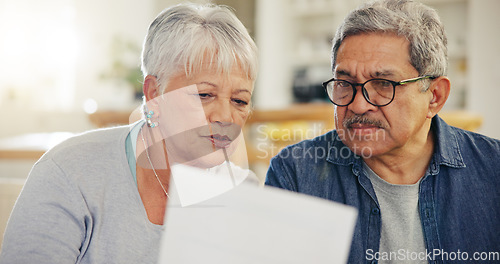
(375, 211)
(427, 213)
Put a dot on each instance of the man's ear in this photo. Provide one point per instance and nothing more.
(440, 90)
(151, 87)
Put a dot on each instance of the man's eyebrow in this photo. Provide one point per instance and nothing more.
(343, 73)
(379, 74)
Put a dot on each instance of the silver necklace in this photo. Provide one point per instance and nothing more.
(151, 163)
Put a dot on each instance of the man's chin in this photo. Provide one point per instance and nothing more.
(365, 149)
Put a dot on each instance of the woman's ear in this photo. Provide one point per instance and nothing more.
(440, 90)
(151, 87)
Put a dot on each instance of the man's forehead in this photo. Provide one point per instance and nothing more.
(371, 44)
(377, 73)
(373, 55)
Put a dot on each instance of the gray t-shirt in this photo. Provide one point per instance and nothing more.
(80, 204)
(401, 239)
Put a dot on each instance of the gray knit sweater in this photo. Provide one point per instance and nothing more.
(80, 204)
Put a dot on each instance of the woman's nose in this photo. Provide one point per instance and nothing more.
(220, 111)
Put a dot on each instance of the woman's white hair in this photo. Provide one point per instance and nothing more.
(185, 36)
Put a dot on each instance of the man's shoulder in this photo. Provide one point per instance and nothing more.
(454, 137)
(468, 149)
(474, 140)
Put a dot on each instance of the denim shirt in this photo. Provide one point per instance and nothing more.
(459, 196)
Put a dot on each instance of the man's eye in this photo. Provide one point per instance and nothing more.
(343, 84)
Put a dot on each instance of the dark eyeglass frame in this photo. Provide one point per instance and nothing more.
(364, 92)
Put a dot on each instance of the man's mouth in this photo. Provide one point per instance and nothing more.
(363, 128)
(361, 122)
(362, 125)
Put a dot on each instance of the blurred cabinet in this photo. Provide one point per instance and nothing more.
(295, 36)
(314, 23)
(454, 15)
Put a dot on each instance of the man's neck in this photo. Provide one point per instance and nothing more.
(405, 166)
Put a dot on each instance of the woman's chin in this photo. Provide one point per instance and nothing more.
(208, 161)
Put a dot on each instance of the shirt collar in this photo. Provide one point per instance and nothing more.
(446, 151)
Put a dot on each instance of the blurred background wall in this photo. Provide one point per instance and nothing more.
(62, 60)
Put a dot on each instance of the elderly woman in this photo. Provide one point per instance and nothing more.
(100, 197)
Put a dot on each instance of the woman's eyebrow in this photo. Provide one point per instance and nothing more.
(242, 91)
(208, 83)
(237, 91)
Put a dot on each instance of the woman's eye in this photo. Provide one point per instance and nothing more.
(204, 95)
(240, 102)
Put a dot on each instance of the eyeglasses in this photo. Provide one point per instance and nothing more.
(378, 92)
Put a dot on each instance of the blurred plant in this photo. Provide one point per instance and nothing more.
(124, 67)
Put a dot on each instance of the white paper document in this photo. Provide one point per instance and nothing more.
(251, 224)
(194, 185)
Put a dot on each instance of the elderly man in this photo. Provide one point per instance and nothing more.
(425, 191)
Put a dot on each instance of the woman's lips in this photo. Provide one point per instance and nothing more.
(220, 141)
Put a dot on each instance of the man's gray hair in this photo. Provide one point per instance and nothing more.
(183, 37)
(416, 22)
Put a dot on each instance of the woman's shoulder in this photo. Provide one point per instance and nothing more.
(90, 143)
(100, 135)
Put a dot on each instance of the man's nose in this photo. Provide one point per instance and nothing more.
(360, 105)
